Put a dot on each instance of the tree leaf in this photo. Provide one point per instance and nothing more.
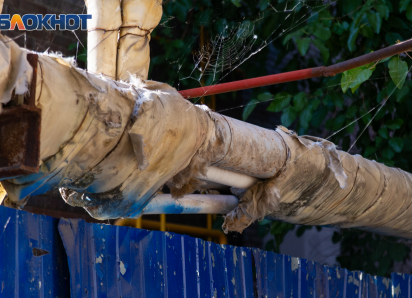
(375, 20)
(388, 153)
(236, 3)
(403, 4)
(352, 38)
(409, 12)
(264, 4)
(296, 34)
(339, 28)
(392, 38)
(351, 112)
(289, 115)
(396, 144)
(363, 76)
(394, 124)
(337, 99)
(302, 230)
(280, 102)
(249, 108)
(305, 117)
(398, 70)
(338, 122)
(322, 32)
(303, 45)
(385, 59)
(383, 132)
(369, 151)
(354, 88)
(262, 97)
(300, 101)
(402, 93)
(384, 265)
(383, 11)
(367, 31)
(315, 103)
(348, 77)
(318, 117)
(396, 22)
(324, 51)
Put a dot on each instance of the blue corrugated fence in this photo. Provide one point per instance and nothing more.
(33, 262)
(45, 257)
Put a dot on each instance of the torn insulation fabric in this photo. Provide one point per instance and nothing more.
(320, 185)
(110, 146)
(16, 72)
(102, 35)
(140, 17)
(107, 146)
(3, 194)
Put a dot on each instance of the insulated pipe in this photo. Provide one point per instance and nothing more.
(190, 204)
(102, 36)
(175, 228)
(229, 178)
(299, 74)
(139, 18)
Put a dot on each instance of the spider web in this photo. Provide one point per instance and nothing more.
(236, 42)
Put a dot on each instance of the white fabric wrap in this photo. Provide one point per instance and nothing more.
(108, 146)
(16, 72)
(102, 36)
(140, 17)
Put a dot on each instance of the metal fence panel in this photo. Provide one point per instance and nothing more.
(110, 261)
(33, 262)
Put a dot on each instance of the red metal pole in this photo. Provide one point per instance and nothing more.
(298, 74)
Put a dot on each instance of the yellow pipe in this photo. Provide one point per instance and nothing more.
(139, 223)
(176, 228)
(183, 229)
(209, 224)
(163, 222)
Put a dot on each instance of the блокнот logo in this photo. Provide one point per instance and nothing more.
(32, 22)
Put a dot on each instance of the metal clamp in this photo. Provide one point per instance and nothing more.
(20, 133)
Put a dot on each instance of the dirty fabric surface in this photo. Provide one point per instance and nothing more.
(320, 185)
(140, 17)
(119, 35)
(102, 35)
(107, 146)
(16, 72)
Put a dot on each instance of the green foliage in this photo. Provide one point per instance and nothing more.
(278, 230)
(280, 102)
(398, 70)
(354, 77)
(375, 254)
(303, 45)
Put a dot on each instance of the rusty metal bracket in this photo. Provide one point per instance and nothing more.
(20, 133)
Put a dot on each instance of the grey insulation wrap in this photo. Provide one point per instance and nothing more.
(320, 185)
